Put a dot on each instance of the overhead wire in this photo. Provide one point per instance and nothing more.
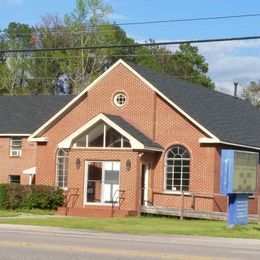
(103, 25)
(136, 45)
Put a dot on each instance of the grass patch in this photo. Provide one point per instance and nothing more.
(145, 225)
(8, 213)
(15, 213)
(37, 211)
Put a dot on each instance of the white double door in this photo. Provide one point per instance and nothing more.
(102, 181)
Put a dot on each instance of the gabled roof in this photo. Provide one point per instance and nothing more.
(223, 118)
(134, 132)
(231, 120)
(22, 115)
(138, 140)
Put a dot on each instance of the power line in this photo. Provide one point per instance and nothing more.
(137, 45)
(48, 78)
(88, 26)
(191, 19)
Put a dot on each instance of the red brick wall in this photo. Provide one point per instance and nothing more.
(155, 118)
(15, 165)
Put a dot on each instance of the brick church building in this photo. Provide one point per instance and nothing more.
(134, 140)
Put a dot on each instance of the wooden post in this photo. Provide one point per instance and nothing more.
(193, 201)
(182, 205)
(258, 204)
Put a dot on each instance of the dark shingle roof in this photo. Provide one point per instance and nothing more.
(230, 119)
(130, 129)
(25, 114)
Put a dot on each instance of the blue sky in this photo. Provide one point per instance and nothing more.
(228, 61)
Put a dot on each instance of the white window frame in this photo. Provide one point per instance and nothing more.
(16, 149)
(102, 203)
(104, 140)
(182, 159)
(64, 169)
(120, 99)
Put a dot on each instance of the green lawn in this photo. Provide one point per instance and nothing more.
(7, 213)
(14, 213)
(144, 224)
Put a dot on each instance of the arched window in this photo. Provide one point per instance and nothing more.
(62, 168)
(177, 169)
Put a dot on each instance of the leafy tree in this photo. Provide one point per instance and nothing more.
(190, 65)
(252, 93)
(83, 23)
(185, 63)
(15, 66)
(45, 72)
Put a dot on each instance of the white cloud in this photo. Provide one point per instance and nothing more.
(231, 62)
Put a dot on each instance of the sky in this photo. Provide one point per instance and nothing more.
(229, 62)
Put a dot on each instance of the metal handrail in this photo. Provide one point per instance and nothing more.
(114, 200)
(68, 196)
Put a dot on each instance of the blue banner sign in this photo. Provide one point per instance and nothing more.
(238, 210)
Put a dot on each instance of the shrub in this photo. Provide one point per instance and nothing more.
(15, 196)
(2, 196)
(43, 197)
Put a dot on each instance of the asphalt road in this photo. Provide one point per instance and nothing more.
(24, 242)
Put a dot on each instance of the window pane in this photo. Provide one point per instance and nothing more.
(94, 191)
(179, 157)
(177, 175)
(126, 142)
(177, 169)
(14, 178)
(113, 138)
(96, 136)
(81, 141)
(177, 182)
(169, 187)
(185, 162)
(95, 171)
(62, 168)
(185, 176)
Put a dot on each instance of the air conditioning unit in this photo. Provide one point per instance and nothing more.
(16, 153)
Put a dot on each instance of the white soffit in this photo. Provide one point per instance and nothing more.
(205, 140)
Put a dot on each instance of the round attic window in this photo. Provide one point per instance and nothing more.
(120, 99)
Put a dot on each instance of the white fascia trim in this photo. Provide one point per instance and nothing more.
(82, 93)
(120, 61)
(204, 140)
(66, 143)
(4, 135)
(169, 101)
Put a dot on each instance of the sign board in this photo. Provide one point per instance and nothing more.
(238, 210)
(238, 172)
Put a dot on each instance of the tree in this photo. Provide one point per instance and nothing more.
(185, 63)
(190, 65)
(83, 23)
(69, 71)
(252, 93)
(15, 66)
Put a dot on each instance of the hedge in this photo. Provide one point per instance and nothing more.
(16, 196)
